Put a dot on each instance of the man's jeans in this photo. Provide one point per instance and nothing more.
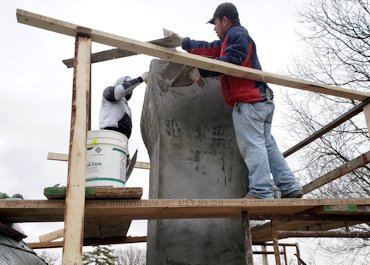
(252, 124)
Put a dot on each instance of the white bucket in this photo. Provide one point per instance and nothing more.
(106, 158)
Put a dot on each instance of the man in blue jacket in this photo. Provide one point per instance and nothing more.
(252, 104)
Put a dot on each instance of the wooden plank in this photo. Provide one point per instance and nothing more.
(348, 209)
(168, 42)
(247, 237)
(262, 233)
(123, 43)
(338, 172)
(367, 117)
(97, 193)
(64, 157)
(90, 242)
(75, 197)
(338, 121)
(57, 156)
(18, 211)
(142, 165)
(52, 235)
(334, 234)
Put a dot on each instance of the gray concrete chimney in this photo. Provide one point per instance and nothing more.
(193, 154)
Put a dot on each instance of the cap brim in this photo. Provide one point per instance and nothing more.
(212, 20)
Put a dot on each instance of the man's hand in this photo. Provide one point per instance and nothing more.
(144, 76)
(196, 77)
(170, 33)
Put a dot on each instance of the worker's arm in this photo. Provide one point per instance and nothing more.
(115, 93)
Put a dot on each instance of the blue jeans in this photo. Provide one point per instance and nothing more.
(252, 124)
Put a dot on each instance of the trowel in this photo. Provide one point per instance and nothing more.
(130, 167)
(183, 78)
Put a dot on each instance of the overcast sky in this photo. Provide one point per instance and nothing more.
(35, 102)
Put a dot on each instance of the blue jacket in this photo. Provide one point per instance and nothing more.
(236, 47)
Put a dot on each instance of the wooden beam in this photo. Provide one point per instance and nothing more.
(247, 238)
(338, 121)
(123, 43)
(334, 234)
(168, 42)
(64, 157)
(338, 172)
(263, 233)
(91, 242)
(18, 211)
(57, 156)
(367, 117)
(75, 196)
(52, 235)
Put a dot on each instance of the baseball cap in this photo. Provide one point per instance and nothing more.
(225, 10)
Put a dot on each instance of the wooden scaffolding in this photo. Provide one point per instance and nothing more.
(289, 217)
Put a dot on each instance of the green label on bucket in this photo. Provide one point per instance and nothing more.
(105, 179)
(119, 150)
(98, 149)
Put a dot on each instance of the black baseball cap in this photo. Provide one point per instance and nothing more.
(225, 10)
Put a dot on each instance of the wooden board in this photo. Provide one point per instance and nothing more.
(90, 242)
(327, 128)
(52, 235)
(135, 46)
(261, 234)
(97, 193)
(75, 195)
(338, 172)
(112, 217)
(64, 157)
(168, 42)
(18, 211)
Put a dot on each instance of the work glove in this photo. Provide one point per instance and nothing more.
(144, 76)
(196, 77)
(169, 33)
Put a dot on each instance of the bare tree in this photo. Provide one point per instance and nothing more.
(50, 258)
(131, 256)
(336, 35)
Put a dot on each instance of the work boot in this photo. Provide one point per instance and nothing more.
(250, 196)
(294, 194)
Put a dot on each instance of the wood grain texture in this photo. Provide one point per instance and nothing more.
(337, 173)
(168, 42)
(90, 242)
(75, 196)
(52, 235)
(64, 157)
(135, 46)
(19, 211)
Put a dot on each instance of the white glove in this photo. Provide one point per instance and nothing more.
(144, 76)
(196, 77)
(169, 33)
